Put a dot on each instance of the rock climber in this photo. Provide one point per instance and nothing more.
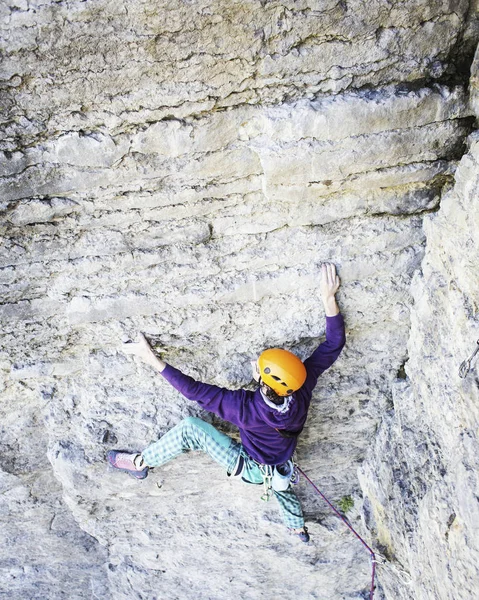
(269, 419)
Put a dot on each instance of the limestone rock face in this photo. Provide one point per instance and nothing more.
(421, 481)
(421, 478)
(124, 64)
(183, 169)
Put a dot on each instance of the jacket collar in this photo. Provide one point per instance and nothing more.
(281, 408)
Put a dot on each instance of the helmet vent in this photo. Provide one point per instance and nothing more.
(275, 377)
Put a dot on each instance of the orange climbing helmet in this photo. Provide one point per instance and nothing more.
(282, 371)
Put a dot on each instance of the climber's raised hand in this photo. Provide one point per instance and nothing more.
(328, 287)
(143, 350)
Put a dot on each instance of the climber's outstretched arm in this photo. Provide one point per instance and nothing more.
(230, 405)
(327, 352)
(143, 350)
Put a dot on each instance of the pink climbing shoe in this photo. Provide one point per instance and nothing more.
(124, 461)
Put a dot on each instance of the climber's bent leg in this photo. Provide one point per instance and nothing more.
(290, 509)
(192, 434)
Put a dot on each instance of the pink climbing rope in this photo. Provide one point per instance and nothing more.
(373, 556)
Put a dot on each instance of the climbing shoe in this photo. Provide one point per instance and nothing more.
(302, 535)
(125, 461)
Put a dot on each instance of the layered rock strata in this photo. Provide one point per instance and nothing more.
(77, 66)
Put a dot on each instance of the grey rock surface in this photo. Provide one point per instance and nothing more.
(122, 64)
(421, 480)
(183, 169)
(45, 554)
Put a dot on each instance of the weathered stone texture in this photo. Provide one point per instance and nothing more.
(183, 169)
(46, 556)
(422, 493)
(126, 63)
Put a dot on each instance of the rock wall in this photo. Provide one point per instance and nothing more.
(183, 169)
(421, 480)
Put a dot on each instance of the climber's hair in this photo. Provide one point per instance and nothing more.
(270, 393)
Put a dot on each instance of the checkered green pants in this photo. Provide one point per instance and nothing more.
(194, 434)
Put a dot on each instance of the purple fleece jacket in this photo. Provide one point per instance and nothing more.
(257, 422)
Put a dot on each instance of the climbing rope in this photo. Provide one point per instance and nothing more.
(373, 556)
(466, 365)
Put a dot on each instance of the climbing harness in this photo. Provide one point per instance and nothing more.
(295, 475)
(278, 478)
(282, 476)
(373, 556)
(239, 466)
(466, 365)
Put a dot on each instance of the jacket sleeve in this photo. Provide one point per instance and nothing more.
(326, 353)
(231, 405)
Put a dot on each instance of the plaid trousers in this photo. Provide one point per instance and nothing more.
(194, 434)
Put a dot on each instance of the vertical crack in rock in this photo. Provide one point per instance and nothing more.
(183, 169)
